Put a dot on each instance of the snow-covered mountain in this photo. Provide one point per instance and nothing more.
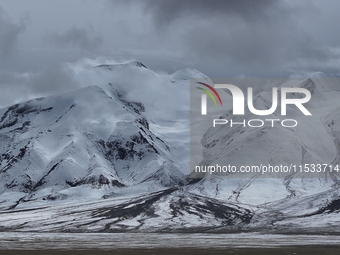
(114, 156)
(87, 143)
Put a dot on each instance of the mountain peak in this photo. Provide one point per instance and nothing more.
(139, 64)
(127, 64)
(187, 74)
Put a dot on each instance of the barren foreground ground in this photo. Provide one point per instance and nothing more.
(187, 251)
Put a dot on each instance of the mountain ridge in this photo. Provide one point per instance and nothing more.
(113, 158)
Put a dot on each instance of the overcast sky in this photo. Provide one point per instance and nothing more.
(221, 38)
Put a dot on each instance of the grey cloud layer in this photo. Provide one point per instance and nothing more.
(9, 33)
(17, 87)
(249, 37)
(165, 12)
(78, 37)
(221, 38)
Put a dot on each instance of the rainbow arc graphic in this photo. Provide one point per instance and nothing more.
(211, 92)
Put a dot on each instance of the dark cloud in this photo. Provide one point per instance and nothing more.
(9, 33)
(165, 12)
(246, 37)
(79, 37)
